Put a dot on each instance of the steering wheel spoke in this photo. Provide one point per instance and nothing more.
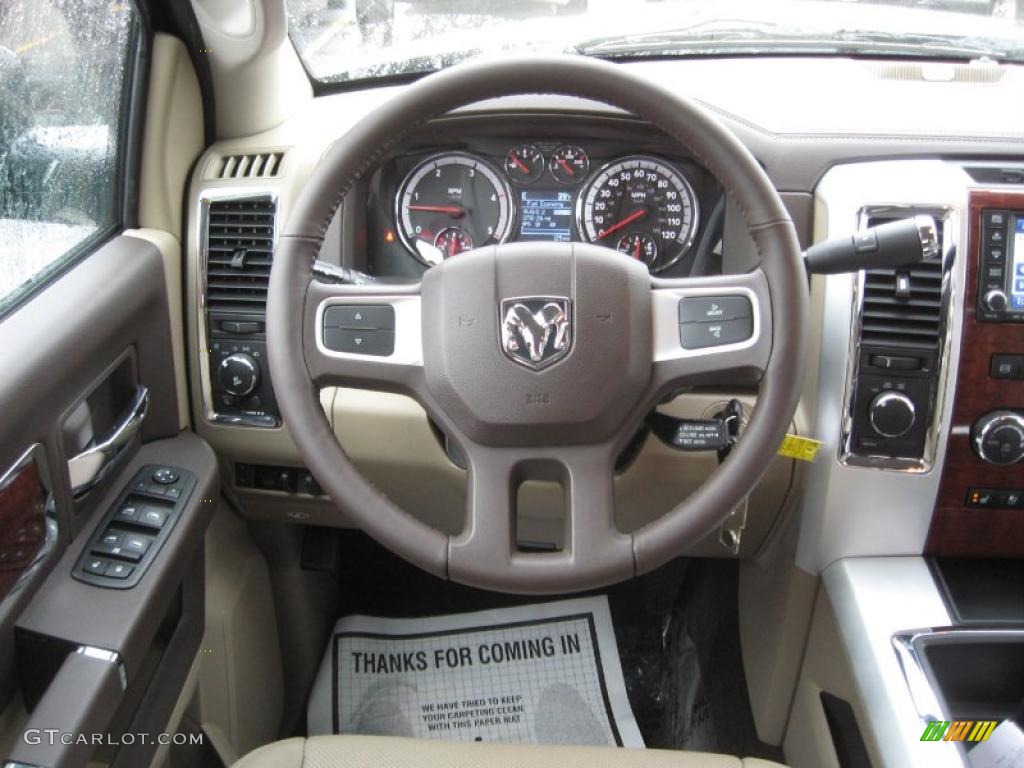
(711, 330)
(364, 335)
(594, 552)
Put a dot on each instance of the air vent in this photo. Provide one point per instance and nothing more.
(262, 165)
(903, 307)
(239, 252)
(940, 72)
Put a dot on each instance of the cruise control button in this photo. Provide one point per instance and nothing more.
(701, 335)
(379, 317)
(703, 309)
(376, 343)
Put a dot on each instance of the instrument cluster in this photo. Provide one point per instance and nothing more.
(447, 202)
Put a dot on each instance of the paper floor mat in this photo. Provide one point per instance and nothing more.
(542, 674)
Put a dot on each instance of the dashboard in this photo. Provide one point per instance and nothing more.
(630, 193)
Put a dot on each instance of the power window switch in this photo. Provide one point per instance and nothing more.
(129, 512)
(109, 544)
(119, 570)
(97, 566)
(152, 517)
(135, 546)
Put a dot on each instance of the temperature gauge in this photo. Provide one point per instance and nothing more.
(452, 241)
(569, 164)
(640, 246)
(524, 164)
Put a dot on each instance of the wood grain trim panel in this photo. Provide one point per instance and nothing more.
(957, 530)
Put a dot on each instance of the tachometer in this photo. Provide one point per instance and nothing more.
(449, 192)
(643, 206)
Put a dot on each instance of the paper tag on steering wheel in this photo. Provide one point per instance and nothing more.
(800, 448)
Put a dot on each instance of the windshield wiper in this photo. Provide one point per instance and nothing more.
(755, 37)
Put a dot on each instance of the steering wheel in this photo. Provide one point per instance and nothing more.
(607, 338)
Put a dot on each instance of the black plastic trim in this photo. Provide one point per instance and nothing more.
(983, 592)
(851, 751)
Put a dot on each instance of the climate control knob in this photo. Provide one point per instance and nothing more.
(239, 374)
(892, 414)
(999, 437)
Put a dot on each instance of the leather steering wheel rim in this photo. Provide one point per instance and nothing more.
(297, 371)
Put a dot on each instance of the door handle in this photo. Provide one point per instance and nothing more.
(88, 468)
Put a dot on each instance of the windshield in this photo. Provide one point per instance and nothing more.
(342, 40)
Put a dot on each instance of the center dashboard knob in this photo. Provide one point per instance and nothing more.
(892, 414)
(239, 374)
(999, 437)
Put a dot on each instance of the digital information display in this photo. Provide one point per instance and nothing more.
(547, 215)
(1017, 268)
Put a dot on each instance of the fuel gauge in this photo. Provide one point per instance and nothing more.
(569, 164)
(524, 164)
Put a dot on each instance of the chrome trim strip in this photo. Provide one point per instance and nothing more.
(88, 468)
(109, 657)
(848, 455)
(36, 454)
(408, 329)
(206, 195)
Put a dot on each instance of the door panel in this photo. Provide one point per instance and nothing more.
(72, 358)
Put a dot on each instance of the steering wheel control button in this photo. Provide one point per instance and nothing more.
(377, 343)
(165, 476)
(713, 309)
(379, 317)
(717, 334)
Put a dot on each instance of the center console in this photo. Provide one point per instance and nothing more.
(980, 504)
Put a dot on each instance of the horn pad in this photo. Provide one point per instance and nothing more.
(537, 343)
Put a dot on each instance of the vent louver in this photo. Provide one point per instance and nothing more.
(903, 307)
(239, 253)
(260, 165)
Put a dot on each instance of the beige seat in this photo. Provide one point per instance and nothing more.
(389, 752)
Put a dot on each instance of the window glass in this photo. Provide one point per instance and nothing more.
(62, 72)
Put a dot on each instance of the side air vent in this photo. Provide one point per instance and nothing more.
(903, 308)
(239, 253)
(896, 361)
(264, 165)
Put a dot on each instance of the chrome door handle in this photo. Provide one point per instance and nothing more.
(88, 468)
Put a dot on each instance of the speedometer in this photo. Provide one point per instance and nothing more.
(450, 202)
(643, 207)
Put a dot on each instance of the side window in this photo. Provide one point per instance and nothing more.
(63, 66)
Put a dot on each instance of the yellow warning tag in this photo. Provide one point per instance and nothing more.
(802, 448)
